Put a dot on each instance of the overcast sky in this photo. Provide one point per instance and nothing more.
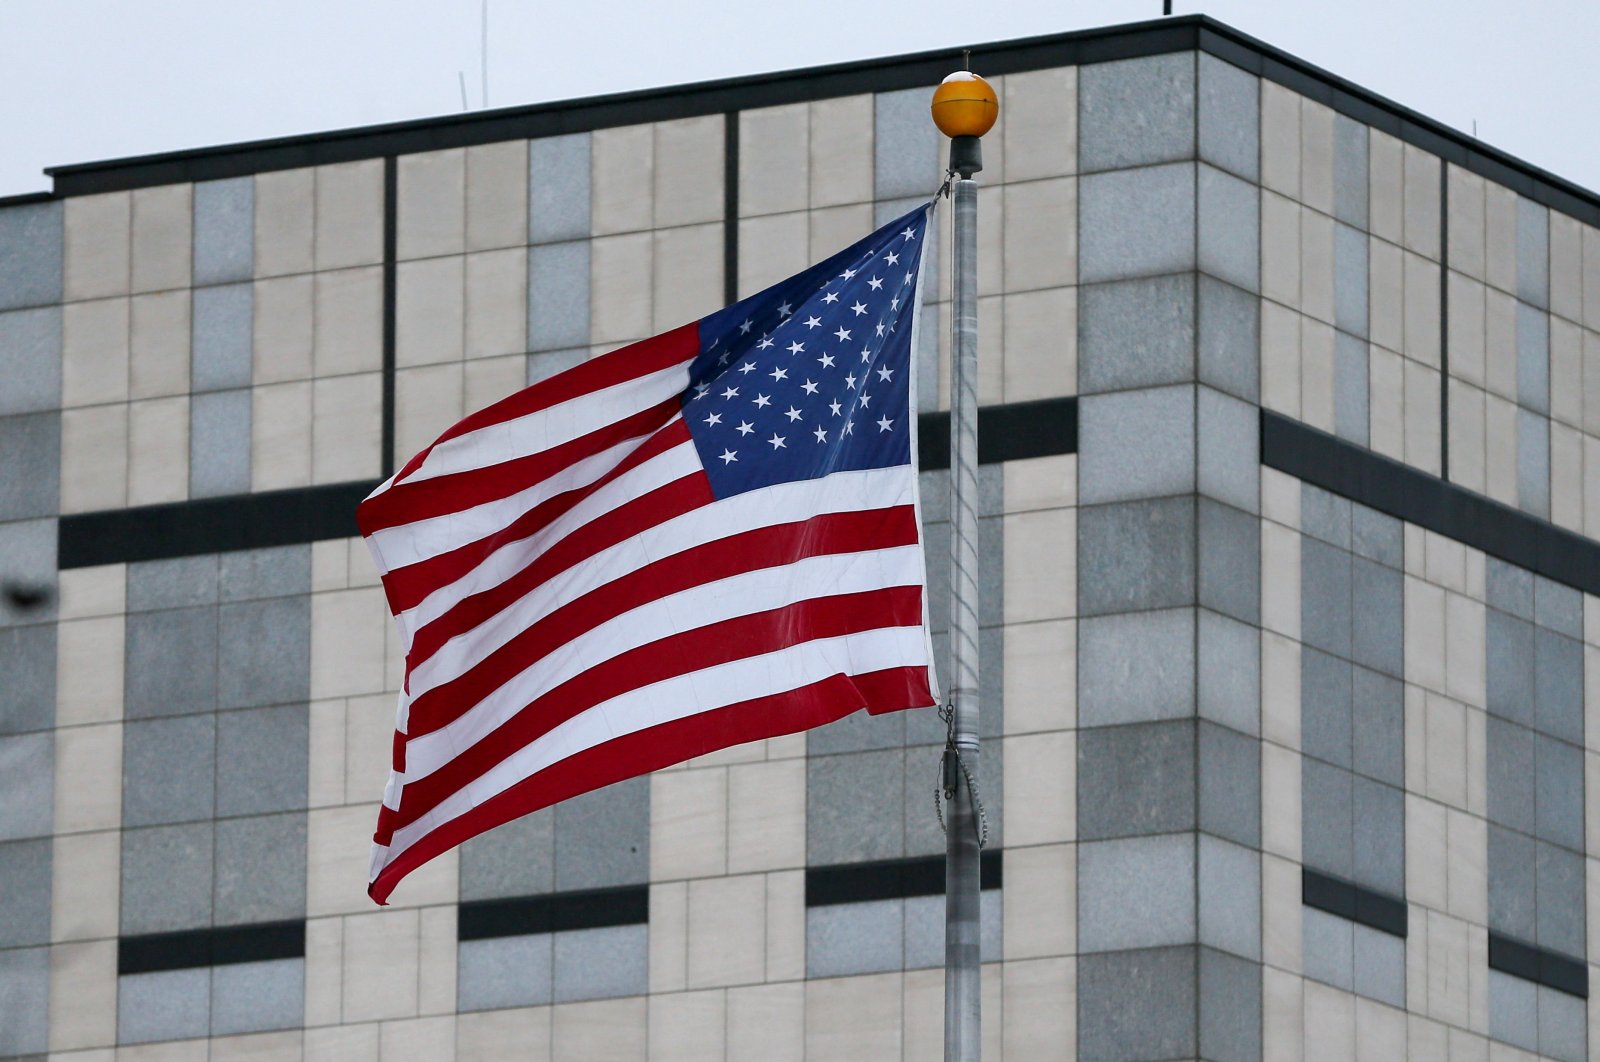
(83, 80)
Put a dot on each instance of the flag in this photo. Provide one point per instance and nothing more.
(705, 538)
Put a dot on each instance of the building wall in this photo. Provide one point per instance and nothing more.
(1269, 771)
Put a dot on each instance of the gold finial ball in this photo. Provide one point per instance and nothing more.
(964, 104)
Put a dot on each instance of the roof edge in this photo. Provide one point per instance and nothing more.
(1074, 48)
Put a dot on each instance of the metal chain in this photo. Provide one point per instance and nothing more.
(947, 716)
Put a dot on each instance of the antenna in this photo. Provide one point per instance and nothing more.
(461, 75)
(1166, 7)
(484, 52)
(966, 59)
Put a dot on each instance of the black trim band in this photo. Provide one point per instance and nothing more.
(311, 514)
(210, 525)
(890, 879)
(218, 946)
(1427, 501)
(1155, 37)
(391, 240)
(1047, 427)
(1539, 965)
(625, 905)
(730, 208)
(1357, 903)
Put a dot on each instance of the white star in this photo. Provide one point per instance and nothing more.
(821, 435)
(860, 308)
(885, 373)
(880, 328)
(908, 277)
(766, 341)
(875, 284)
(762, 401)
(785, 310)
(726, 354)
(795, 348)
(850, 381)
(779, 374)
(745, 427)
(847, 274)
(813, 322)
(793, 414)
(843, 333)
(835, 407)
(826, 360)
(894, 303)
(909, 234)
(744, 329)
(866, 399)
(849, 425)
(832, 296)
(892, 258)
(714, 419)
(777, 442)
(729, 457)
(885, 424)
(732, 392)
(748, 367)
(700, 389)
(809, 388)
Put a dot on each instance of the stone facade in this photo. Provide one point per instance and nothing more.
(1291, 641)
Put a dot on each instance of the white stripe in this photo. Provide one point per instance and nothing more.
(550, 427)
(679, 698)
(666, 467)
(781, 503)
(419, 540)
(739, 595)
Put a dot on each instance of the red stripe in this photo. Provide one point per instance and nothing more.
(422, 499)
(764, 547)
(409, 585)
(660, 746)
(619, 366)
(619, 524)
(679, 654)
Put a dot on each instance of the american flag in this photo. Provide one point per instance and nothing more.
(702, 539)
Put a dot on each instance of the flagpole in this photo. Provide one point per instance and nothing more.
(964, 108)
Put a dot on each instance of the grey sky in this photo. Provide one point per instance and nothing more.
(82, 80)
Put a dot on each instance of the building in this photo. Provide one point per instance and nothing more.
(1292, 649)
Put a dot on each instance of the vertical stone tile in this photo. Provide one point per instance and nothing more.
(224, 230)
(1229, 125)
(31, 252)
(1134, 112)
(497, 195)
(98, 245)
(349, 214)
(30, 360)
(94, 352)
(688, 171)
(432, 206)
(623, 162)
(162, 235)
(285, 207)
(558, 188)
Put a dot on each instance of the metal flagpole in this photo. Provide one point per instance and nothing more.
(964, 108)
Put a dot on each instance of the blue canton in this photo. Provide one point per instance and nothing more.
(812, 375)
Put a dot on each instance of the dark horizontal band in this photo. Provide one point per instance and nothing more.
(218, 946)
(890, 879)
(1012, 432)
(211, 525)
(1539, 965)
(556, 912)
(312, 514)
(1135, 40)
(1357, 903)
(1390, 487)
